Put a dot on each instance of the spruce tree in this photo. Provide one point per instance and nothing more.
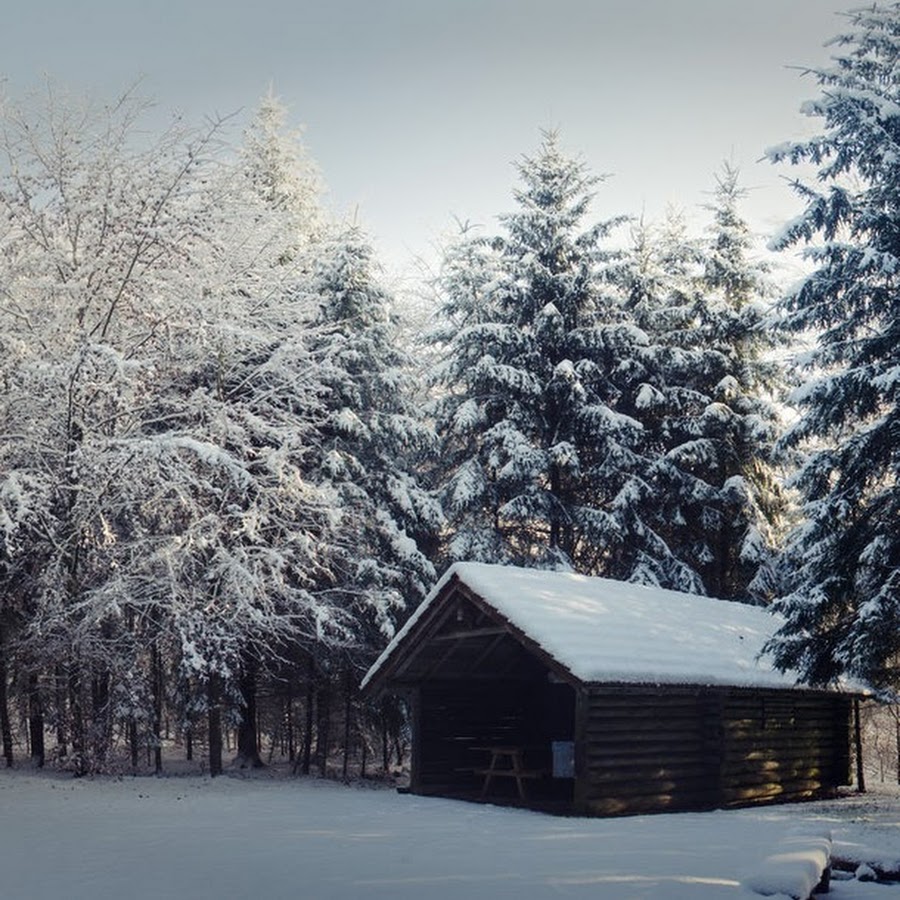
(279, 170)
(710, 407)
(739, 374)
(662, 277)
(371, 438)
(272, 199)
(843, 601)
(542, 465)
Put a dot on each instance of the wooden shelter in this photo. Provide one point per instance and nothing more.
(575, 694)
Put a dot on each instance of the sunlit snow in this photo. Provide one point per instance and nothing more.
(233, 838)
(606, 631)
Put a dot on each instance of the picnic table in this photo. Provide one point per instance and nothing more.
(506, 761)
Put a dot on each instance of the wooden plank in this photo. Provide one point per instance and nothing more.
(695, 785)
(779, 741)
(663, 733)
(512, 773)
(624, 803)
(770, 791)
(648, 780)
(467, 634)
(661, 753)
(634, 708)
(582, 774)
(643, 720)
(488, 651)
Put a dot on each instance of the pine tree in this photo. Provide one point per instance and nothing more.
(843, 601)
(542, 464)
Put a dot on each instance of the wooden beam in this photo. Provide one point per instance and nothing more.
(491, 647)
(439, 617)
(435, 666)
(471, 633)
(857, 740)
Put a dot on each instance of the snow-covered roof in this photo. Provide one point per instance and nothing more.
(602, 630)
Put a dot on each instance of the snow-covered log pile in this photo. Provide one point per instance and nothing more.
(800, 867)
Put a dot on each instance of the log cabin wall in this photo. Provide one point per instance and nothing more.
(661, 748)
(783, 745)
(646, 749)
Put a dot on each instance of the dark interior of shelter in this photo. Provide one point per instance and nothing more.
(492, 722)
(498, 740)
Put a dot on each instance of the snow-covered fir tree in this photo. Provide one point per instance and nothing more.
(706, 406)
(371, 438)
(739, 373)
(279, 169)
(543, 460)
(661, 276)
(272, 200)
(843, 602)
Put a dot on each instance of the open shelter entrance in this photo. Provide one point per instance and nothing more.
(491, 720)
(496, 740)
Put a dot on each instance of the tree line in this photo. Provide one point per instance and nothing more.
(228, 473)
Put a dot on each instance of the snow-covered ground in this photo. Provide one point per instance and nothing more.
(268, 837)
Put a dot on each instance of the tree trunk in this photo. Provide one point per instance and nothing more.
(289, 728)
(556, 538)
(101, 720)
(76, 710)
(133, 743)
(385, 740)
(323, 727)
(62, 747)
(896, 714)
(247, 737)
(348, 711)
(214, 718)
(308, 720)
(157, 686)
(5, 725)
(36, 723)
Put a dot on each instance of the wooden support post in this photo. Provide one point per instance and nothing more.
(857, 736)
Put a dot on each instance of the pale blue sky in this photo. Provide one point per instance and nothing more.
(415, 109)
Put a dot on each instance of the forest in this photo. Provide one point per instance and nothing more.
(233, 460)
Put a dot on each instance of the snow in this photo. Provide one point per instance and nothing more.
(612, 631)
(234, 837)
(647, 397)
(795, 870)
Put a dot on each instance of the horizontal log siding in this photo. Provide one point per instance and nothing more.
(647, 749)
(653, 749)
(783, 745)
